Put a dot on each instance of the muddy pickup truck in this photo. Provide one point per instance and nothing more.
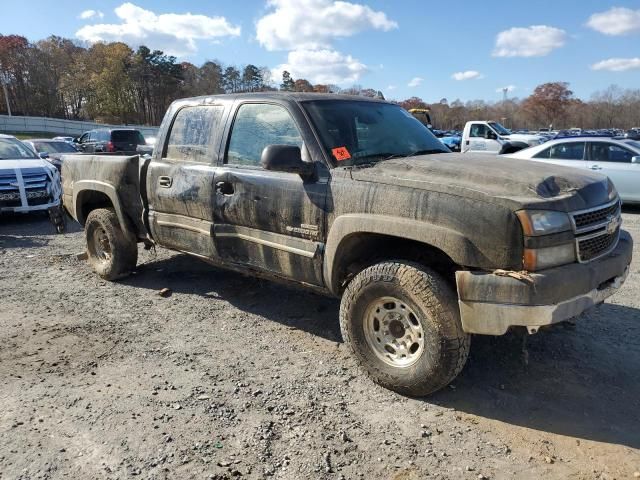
(355, 198)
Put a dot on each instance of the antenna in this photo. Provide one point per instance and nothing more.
(505, 90)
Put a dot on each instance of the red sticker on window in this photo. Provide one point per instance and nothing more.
(341, 153)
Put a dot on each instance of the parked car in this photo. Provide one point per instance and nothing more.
(104, 140)
(618, 159)
(491, 137)
(352, 197)
(51, 150)
(27, 182)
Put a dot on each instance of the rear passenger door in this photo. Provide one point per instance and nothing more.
(181, 178)
(272, 221)
(614, 161)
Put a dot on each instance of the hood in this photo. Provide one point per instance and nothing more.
(523, 137)
(512, 183)
(25, 163)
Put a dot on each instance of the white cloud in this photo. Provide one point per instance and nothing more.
(617, 64)
(534, 41)
(322, 66)
(391, 87)
(174, 33)
(313, 24)
(415, 82)
(509, 88)
(467, 75)
(88, 14)
(616, 21)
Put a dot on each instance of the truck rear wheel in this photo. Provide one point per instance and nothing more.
(403, 325)
(112, 252)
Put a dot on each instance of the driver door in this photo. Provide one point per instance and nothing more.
(266, 220)
(481, 141)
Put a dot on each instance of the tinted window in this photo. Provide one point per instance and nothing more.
(54, 147)
(92, 136)
(126, 136)
(478, 130)
(609, 152)
(543, 154)
(567, 151)
(357, 132)
(192, 132)
(257, 126)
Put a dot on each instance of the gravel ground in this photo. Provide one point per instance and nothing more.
(233, 377)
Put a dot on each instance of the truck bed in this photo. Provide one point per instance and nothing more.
(114, 179)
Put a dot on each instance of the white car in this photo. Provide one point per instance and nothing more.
(619, 159)
(491, 137)
(27, 182)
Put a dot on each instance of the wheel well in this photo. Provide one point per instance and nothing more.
(89, 200)
(359, 251)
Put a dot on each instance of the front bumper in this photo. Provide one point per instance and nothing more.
(490, 304)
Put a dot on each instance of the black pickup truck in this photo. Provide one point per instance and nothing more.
(355, 198)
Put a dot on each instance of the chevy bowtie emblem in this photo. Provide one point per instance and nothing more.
(612, 226)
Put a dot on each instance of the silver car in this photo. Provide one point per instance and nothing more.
(619, 159)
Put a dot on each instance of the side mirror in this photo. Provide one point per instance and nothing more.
(635, 159)
(43, 155)
(285, 158)
(490, 135)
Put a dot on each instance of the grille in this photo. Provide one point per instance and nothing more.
(593, 247)
(35, 185)
(596, 217)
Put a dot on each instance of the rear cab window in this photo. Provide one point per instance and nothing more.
(192, 134)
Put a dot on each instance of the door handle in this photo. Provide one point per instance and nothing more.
(595, 167)
(224, 188)
(165, 181)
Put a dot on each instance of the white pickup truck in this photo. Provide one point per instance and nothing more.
(491, 137)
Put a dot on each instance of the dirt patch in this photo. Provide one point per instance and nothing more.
(233, 377)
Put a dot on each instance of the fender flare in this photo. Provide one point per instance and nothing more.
(97, 186)
(453, 243)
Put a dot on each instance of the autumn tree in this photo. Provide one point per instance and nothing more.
(288, 84)
(302, 85)
(549, 102)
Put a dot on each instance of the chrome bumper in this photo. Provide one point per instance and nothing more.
(546, 298)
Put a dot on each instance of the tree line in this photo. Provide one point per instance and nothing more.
(110, 82)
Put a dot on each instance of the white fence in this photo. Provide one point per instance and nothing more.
(58, 126)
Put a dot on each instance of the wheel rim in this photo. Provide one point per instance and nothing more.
(101, 245)
(393, 332)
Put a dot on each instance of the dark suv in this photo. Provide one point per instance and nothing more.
(125, 140)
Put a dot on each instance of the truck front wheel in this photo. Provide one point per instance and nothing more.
(403, 324)
(112, 252)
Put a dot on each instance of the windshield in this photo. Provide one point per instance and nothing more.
(54, 147)
(359, 132)
(11, 149)
(499, 128)
(633, 143)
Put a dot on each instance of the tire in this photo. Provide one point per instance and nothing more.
(112, 252)
(426, 308)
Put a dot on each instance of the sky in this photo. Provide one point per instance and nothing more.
(456, 50)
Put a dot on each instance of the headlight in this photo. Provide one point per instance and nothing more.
(541, 258)
(543, 222)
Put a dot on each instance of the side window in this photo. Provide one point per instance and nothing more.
(257, 126)
(478, 130)
(92, 136)
(567, 151)
(84, 138)
(609, 152)
(543, 154)
(192, 133)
